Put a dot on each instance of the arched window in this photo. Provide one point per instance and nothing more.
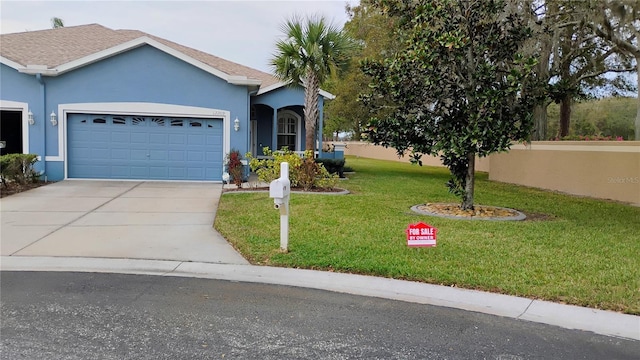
(289, 128)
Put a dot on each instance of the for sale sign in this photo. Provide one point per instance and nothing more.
(421, 234)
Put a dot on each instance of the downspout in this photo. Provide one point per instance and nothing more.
(43, 91)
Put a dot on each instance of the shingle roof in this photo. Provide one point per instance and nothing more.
(55, 47)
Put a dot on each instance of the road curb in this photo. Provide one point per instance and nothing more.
(566, 316)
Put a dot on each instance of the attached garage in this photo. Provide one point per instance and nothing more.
(144, 147)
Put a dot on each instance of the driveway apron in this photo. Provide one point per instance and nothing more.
(116, 219)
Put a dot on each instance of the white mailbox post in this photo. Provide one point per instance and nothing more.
(279, 190)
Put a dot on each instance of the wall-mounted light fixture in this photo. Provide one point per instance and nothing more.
(30, 118)
(54, 119)
(236, 124)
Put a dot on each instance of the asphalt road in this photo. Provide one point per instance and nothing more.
(113, 316)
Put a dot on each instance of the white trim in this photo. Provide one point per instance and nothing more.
(327, 95)
(150, 180)
(144, 109)
(10, 63)
(24, 108)
(280, 84)
(298, 127)
(124, 47)
(271, 88)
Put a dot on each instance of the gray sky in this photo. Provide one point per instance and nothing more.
(240, 31)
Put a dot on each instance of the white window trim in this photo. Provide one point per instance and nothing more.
(298, 127)
(24, 108)
(142, 109)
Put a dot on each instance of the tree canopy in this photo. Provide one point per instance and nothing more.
(460, 86)
(573, 62)
(374, 31)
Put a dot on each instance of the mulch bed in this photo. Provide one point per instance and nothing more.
(480, 212)
(14, 188)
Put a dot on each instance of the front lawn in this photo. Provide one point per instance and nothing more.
(587, 252)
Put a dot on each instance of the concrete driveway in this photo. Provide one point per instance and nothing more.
(116, 219)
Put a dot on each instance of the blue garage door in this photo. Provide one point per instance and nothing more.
(138, 147)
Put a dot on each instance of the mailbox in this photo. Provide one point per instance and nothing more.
(279, 191)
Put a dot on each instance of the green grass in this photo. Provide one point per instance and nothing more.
(588, 254)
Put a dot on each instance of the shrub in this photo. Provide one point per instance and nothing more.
(234, 167)
(333, 166)
(303, 171)
(269, 169)
(18, 168)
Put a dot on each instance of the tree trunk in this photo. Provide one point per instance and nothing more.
(467, 199)
(638, 109)
(311, 93)
(540, 122)
(565, 115)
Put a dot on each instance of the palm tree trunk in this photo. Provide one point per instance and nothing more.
(311, 93)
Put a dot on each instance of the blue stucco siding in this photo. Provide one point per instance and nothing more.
(147, 74)
(144, 74)
(282, 97)
(15, 86)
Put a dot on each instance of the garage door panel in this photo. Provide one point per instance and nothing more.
(195, 172)
(177, 139)
(101, 154)
(139, 172)
(212, 157)
(157, 138)
(177, 172)
(119, 154)
(176, 155)
(120, 138)
(120, 171)
(196, 139)
(214, 140)
(138, 154)
(158, 155)
(195, 156)
(134, 147)
(139, 137)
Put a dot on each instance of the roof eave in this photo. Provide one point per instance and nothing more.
(10, 63)
(243, 80)
(126, 46)
(325, 94)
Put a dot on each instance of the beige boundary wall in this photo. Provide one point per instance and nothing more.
(368, 150)
(600, 169)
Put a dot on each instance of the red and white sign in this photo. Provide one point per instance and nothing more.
(421, 234)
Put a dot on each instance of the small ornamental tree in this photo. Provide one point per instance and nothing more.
(459, 86)
(235, 169)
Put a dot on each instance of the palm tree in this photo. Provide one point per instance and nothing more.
(312, 51)
(56, 23)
